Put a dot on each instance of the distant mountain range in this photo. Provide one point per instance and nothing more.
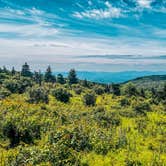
(113, 77)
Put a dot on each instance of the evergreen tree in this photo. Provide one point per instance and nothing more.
(60, 79)
(13, 71)
(38, 77)
(72, 77)
(48, 77)
(116, 89)
(26, 70)
(5, 70)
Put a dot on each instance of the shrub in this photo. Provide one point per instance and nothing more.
(12, 85)
(142, 107)
(76, 139)
(124, 102)
(89, 99)
(55, 155)
(99, 90)
(129, 90)
(101, 141)
(61, 95)
(17, 85)
(105, 118)
(16, 134)
(4, 93)
(38, 94)
(11, 132)
(77, 89)
(116, 89)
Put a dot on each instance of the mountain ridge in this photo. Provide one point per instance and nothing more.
(113, 77)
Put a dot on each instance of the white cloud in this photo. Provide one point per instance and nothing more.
(32, 30)
(64, 53)
(27, 23)
(108, 12)
(145, 3)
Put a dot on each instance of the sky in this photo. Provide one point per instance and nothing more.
(88, 35)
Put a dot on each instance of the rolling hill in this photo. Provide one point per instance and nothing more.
(153, 81)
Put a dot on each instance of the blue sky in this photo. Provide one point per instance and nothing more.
(103, 35)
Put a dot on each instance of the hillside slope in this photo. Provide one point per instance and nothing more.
(56, 121)
(154, 81)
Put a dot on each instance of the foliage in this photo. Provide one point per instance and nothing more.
(99, 90)
(17, 85)
(38, 94)
(15, 134)
(60, 79)
(72, 77)
(142, 107)
(129, 90)
(61, 94)
(25, 70)
(48, 77)
(89, 99)
(103, 128)
(4, 93)
(116, 89)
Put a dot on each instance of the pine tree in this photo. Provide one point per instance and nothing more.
(60, 79)
(5, 70)
(13, 71)
(116, 89)
(72, 77)
(38, 77)
(26, 70)
(48, 77)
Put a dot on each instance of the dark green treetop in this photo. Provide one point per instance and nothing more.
(72, 77)
(26, 70)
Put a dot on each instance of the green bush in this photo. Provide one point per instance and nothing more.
(116, 89)
(76, 139)
(12, 85)
(54, 155)
(99, 90)
(89, 99)
(4, 93)
(101, 141)
(16, 133)
(129, 90)
(37, 95)
(77, 89)
(61, 95)
(105, 118)
(124, 102)
(142, 107)
(17, 85)
(11, 132)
